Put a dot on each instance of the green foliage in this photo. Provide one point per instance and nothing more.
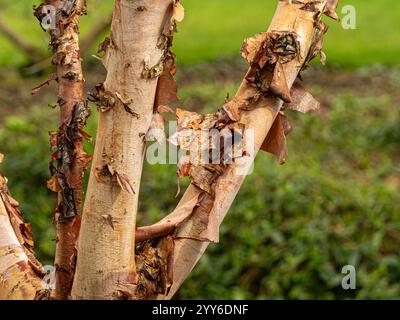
(24, 140)
(292, 227)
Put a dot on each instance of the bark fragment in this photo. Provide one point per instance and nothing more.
(154, 261)
(302, 100)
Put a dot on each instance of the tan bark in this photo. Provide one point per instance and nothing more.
(291, 16)
(106, 251)
(20, 273)
(68, 158)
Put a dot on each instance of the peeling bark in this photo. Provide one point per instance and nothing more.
(20, 273)
(68, 158)
(134, 56)
(296, 27)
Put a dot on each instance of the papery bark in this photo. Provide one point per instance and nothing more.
(68, 158)
(21, 275)
(106, 266)
(290, 17)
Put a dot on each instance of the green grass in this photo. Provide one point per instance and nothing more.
(214, 28)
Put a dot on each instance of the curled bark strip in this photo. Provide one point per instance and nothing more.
(279, 85)
(20, 273)
(167, 225)
(317, 44)
(302, 100)
(267, 53)
(275, 142)
(68, 158)
(330, 9)
(167, 88)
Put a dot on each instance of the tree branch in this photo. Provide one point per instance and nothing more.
(300, 21)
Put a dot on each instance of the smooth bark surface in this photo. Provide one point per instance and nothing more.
(106, 251)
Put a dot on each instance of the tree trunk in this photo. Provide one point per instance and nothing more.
(106, 251)
(20, 273)
(140, 67)
(68, 159)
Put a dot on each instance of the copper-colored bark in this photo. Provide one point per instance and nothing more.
(68, 158)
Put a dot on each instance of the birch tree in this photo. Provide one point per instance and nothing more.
(101, 252)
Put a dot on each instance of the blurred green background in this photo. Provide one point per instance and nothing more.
(293, 227)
